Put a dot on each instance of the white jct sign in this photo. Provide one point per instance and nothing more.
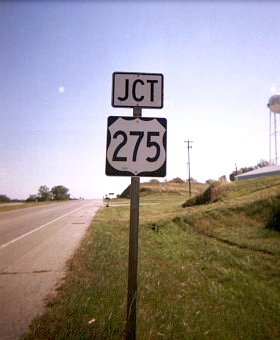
(143, 90)
(136, 146)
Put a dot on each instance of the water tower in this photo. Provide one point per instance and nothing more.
(274, 107)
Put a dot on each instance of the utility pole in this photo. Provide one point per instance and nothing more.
(189, 165)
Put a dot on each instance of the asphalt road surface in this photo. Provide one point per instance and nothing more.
(35, 244)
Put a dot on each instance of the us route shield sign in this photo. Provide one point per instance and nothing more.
(136, 146)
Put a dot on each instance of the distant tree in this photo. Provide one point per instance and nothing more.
(60, 193)
(177, 180)
(4, 198)
(32, 198)
(153, 180)
(262, 163)
(44, 193)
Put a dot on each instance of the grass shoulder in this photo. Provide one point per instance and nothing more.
(208, 270)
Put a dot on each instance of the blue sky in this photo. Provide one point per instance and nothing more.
(220, 62)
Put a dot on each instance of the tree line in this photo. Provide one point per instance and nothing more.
(56, 193)
(4, 199)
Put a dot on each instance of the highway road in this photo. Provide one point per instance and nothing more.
(35, 244)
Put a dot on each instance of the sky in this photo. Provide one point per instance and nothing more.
(220, 61)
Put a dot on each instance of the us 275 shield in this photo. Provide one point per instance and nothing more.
(136, 146)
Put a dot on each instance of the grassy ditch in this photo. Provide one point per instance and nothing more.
(208, 271)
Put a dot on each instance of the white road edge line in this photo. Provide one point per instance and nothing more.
(38, 228)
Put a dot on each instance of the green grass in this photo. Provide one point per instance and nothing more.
(210, 271)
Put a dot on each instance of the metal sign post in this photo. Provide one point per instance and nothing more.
(133, 252)
(136, 147)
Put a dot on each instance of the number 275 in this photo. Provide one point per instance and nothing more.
(140, 135)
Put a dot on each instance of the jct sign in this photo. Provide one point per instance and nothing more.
(143, 90)
(136, 146)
